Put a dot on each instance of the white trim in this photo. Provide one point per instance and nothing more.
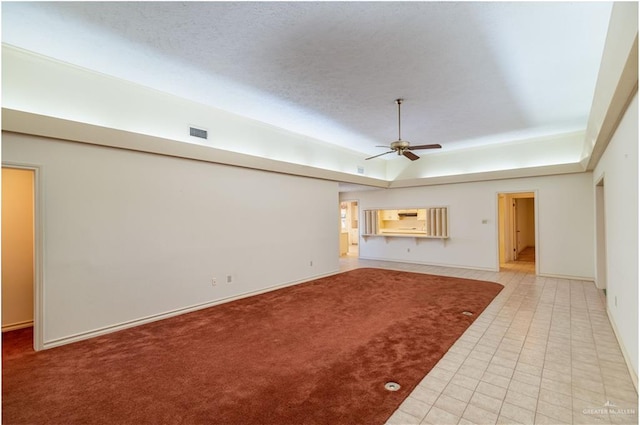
(38, 248)
(161, 316)
(567, 276)
(625, 354)
(496, 229)
(536, 225)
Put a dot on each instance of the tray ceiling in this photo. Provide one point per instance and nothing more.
(471, 73)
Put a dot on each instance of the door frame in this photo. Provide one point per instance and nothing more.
(601, 233)
(38, 250)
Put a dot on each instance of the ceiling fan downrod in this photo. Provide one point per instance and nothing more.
(399, 102)
(399, 145)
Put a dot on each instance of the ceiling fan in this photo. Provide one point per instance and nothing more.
(402, 147)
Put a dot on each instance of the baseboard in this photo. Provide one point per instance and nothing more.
(486, 269)
(16, 326)
(625, 354)
(165, 315)
(451, 266)
(566, 276)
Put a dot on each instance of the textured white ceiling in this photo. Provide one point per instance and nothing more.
(470, 72)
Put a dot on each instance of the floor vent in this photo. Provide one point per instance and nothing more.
(198, 132)
(392, 386)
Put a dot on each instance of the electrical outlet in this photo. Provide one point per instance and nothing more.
(311, 263)
(408, 249)
(229, 278)
(214, 282)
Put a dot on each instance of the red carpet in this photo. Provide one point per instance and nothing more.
(315, 353)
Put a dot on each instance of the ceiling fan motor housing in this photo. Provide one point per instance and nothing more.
(399, 146)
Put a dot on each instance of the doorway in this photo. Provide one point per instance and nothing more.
(18, 207)
(349, 234)
(517, 236)
(22, 250)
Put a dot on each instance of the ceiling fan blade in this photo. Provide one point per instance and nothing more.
(434, 146)
(412, 156)
(382, 146)
(375, 156)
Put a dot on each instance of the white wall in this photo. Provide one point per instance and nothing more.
(619, 167)
(565, 220)
(17, 248)
(129, 235)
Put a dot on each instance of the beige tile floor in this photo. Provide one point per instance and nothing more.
(543, 352)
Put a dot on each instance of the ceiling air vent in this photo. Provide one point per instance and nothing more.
(198, 132)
